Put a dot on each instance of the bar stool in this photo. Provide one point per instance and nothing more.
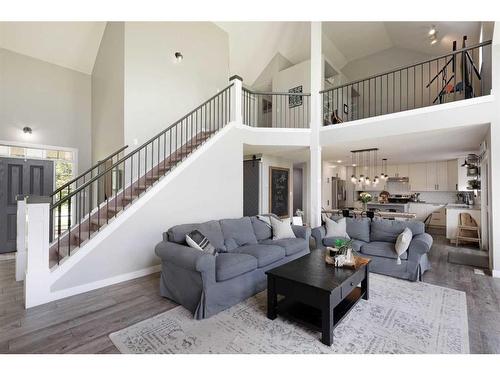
(467, 226)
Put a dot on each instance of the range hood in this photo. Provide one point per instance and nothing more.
(398, 179)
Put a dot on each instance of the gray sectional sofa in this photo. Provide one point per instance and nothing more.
(376, 238)
(207, 284)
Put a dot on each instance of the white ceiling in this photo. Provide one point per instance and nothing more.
(252, 45)
(407, 148)
(360, 39)
(73, 45)
(415, 147)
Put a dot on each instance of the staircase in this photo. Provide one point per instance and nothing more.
(91, 205)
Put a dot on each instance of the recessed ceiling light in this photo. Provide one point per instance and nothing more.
(339, 161)
(433, 41)
(432, 31)
(354, 165)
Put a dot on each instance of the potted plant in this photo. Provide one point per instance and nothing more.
(365, 197)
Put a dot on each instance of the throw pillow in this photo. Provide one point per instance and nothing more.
(281, 229)
(266, 219)
(403, 243)
(336, 228)
(198, 241)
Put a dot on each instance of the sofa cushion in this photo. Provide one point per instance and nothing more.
(336, 228)
(265, 254)
(229, 265)
(330, 241)
(239, 231)
(382, 249)
(359, 229)
(210, 229)
(261, 229)
(291, 245)
(389, 230)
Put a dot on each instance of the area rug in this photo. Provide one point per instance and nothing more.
(399, 317)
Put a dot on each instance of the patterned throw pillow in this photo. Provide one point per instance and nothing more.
(198, 241)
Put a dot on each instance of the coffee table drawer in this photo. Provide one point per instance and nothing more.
(351, 283)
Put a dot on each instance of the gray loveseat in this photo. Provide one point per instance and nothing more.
(207, 284)
(376, 239)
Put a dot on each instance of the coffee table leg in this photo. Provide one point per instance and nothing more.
(365, 284)
(327, 322)
(272, 298)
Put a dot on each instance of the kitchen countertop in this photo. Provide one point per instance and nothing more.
(388, 204)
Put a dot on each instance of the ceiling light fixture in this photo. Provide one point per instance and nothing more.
(27, 130)
(365, 159)
(432, 30)
(339, 161)
(178, 56)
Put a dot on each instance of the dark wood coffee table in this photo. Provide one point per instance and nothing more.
(315, 293)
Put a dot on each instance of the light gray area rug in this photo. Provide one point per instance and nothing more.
(399, 317)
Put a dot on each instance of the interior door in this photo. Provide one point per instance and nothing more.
(251, 187)
(20, 176)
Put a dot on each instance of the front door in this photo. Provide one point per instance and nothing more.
(20, 176)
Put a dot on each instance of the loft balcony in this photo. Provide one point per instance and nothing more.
(460, 75)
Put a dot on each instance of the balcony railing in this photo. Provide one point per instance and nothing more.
(275, 109)
(462, 74)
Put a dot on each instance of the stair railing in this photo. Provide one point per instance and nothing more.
(276, 109)
(82, 177)
(90, 206)
(446, 78)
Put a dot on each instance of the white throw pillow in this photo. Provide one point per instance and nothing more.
(336, 228)
(281, 229)
(403, 243)
(265, 219)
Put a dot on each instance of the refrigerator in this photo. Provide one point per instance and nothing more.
(339, 193)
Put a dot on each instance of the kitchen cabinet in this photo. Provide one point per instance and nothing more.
(397, 170)
(452, 174)
(424, 210)
(437, 176)
(418, 176)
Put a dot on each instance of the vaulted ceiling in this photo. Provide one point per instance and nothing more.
(73, 45)
(360, 39)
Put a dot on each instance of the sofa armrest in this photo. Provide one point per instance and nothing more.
(185, 257)
(420, 244)
(301, 232)
(318, 234)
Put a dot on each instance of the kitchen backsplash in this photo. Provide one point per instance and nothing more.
(430, 196)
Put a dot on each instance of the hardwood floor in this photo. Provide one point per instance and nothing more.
(81, 324)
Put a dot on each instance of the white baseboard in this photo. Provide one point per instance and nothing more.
(64, 293)
(495, 273)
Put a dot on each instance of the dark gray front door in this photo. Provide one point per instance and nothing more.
(19, 176)
(251, 187)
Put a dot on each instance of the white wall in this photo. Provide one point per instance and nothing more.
(158, 90)
(207, 186)
(54, 101)
(107, 93)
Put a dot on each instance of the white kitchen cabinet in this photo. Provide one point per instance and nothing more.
(403, 170)
(424, 210)
(392, 170)
(431, 174)
(397, 170)
(452, 175)
(418, 176)
(442, 175)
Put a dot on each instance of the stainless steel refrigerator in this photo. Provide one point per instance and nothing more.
(339, 193)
